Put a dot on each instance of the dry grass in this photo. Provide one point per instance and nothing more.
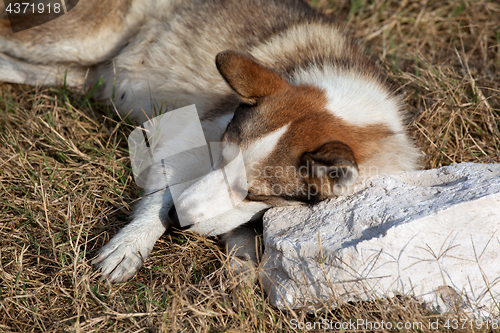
(65, 185)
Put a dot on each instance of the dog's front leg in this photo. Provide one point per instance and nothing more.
(125, 253)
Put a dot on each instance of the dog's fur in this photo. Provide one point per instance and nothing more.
(272, 76)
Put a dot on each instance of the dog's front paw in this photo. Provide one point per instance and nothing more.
(122, 257)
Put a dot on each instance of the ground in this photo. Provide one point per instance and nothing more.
(66, 185)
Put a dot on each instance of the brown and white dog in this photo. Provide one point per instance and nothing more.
(307, 109)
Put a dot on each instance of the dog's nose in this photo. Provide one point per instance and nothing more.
(174, 219)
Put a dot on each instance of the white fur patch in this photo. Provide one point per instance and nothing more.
(263, 147)
(231, 219)
(215, 204)
(356, 99)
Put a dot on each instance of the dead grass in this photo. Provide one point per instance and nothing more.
(66, 186)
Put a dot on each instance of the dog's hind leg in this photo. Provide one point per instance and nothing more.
(63, 49)
(93, 31)
(16, 71)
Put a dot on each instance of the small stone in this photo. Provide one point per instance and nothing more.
(433, 235)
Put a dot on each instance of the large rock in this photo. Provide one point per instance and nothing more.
(434, 235)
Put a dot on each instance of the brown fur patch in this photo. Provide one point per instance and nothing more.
(304, 107)
(320, 125)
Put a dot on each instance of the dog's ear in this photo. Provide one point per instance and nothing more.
(248, 78)
(332, 168)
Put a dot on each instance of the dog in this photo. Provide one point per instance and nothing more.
(311, 114)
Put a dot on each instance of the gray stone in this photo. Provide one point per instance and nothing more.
(433, 235)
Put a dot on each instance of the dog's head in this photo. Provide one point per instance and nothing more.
(294, 150)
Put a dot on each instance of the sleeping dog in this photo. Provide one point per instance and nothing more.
(309, 113)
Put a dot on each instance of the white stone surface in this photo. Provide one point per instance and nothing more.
(416, 233)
